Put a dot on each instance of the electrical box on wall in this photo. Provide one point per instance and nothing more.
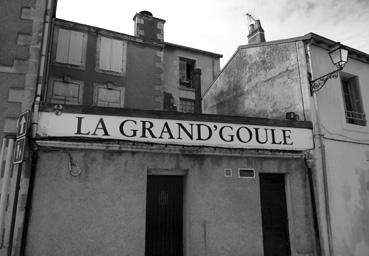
(246, 173)
(227, 173)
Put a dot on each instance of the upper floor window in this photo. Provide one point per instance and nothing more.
(186, 67)
(71, 47)
(186, 105)
(353, 104)
(111, 55)
(109, 95)
(65, 91)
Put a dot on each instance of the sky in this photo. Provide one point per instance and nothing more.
(221, 26)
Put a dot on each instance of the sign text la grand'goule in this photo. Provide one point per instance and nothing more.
(182, 132)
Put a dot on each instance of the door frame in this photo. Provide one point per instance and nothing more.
(185, 206)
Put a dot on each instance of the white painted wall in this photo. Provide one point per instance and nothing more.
(347, 158)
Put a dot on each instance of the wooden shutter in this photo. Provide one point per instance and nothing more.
(116, 55)
(62, 50)
(75, 48)
(182, 70)
(105, 53)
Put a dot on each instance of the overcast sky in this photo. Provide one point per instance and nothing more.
(221, 25)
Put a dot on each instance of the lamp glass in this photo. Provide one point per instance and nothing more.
(339, 57)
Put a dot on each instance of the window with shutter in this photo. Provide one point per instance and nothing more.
(108, 95)
(112, 55)
(186, 67)
(71, 47)
(66, 92)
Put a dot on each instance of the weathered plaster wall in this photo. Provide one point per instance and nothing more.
(21, 33)
(209, 70)
(102, 211)
(348, 173)
(330, 97)
(21, 24)
(347, 157)
(267, 80)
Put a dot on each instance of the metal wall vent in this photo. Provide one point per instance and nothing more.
(246, 173)
(227, 173)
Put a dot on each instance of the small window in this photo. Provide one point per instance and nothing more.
(112, 55)
(246, 173)
(108, 95)
(186, 67)
(187, 105)
(354, 111)
(66, 91)
(71, 47)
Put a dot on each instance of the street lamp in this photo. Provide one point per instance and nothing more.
(338, 57)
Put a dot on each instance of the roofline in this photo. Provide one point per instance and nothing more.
(313, 38)
(194, 49)
(138, 40)
(327, 44)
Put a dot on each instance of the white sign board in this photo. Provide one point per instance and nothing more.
(23, 123)
(179, 132)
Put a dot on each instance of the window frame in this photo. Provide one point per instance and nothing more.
(65, 80)
(108, 86)
(351, 95)
(188, 82)
(188, 101)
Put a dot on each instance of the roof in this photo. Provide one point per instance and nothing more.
(316, 40)
(135, 39)
(313, 38)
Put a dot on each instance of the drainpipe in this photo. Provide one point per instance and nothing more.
(41, 72)
(320, 144)
(6, 178)
(308, 163)
(196, 81)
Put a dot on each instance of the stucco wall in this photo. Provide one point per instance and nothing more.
(348, 183)
(21, 29)
(266, 80)
(330, 97)
(347, 157)
(102, 211)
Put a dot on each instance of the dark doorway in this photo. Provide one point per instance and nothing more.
(164, 216)
(274, 215)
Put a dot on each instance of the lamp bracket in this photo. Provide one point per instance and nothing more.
(318, 83)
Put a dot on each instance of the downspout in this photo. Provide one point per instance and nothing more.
(321, 145)
(308, 163)
(41, 72)
(6, 178)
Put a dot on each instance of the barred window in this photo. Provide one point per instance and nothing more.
(354, 111)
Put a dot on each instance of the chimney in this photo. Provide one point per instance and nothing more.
(256, 33)
(149, 28)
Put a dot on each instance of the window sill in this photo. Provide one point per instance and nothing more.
(356, 128)
(184, 88)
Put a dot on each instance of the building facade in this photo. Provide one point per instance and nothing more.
(272, 80)
(119, 167)
(22, 29)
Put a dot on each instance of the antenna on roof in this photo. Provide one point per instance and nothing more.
(251, 19)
